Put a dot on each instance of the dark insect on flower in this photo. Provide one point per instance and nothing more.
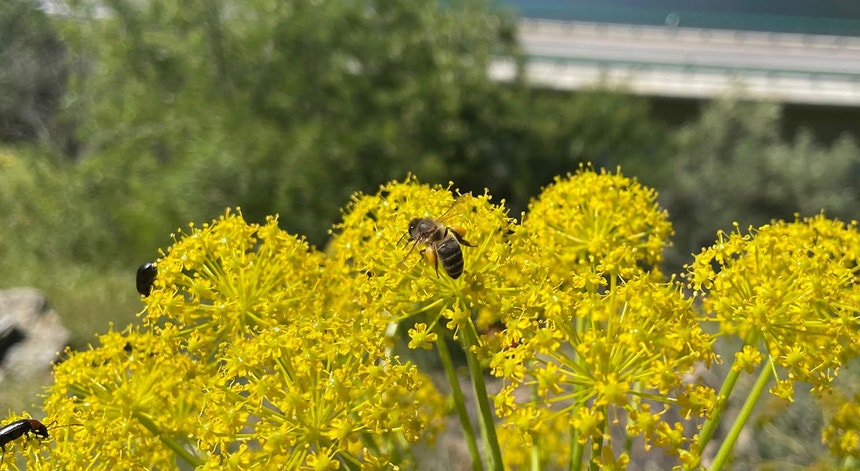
(145, 278)
(25, 427)
(442, 242)
(19, 428)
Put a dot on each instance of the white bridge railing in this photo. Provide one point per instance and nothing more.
(691, 63)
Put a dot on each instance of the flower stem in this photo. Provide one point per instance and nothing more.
(598, 449)
(728, 444)
(577, 451)
(726, 389)
(459, 403)
(485, 413)
(537, 442)
(171, 443)
(711, 424)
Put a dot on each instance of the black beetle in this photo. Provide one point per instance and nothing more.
(145, 278)
(19, 428)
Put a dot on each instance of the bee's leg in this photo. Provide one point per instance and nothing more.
(459, 233)
(431, 256)
(410, 250)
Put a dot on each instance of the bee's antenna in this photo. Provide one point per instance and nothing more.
(52, 425)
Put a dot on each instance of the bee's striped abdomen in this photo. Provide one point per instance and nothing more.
(451, 256)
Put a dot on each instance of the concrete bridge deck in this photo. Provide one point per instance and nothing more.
(690, 62)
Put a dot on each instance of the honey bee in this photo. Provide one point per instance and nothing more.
(442, 243)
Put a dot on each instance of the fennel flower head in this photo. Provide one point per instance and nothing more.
(255, 350)
(790, 290)
(605, 341)
(598, 223)
(842, 434)
(405, 278)
(250, 356)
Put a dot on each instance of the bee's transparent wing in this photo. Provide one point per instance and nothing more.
(457, 208)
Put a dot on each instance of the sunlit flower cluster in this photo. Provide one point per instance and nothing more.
(596, 224)
(130, 397)
(606, 341)
(257, 351)
(842, 435)
(789, 290)
(373, 241)
(245, 360)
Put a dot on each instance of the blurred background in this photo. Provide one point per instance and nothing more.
(124, 120)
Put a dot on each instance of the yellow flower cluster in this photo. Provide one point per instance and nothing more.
(842, 435)
(252, 356)
(257, 351)
(373, 242)
(790, 293)
(597, 224)
(604, 342)
(789, 290)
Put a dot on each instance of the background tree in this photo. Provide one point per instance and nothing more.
(32, 74)
(732, 165)
(281, 107)
(290, 107)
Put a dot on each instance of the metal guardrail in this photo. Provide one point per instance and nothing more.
(645, 32)
(687, 62)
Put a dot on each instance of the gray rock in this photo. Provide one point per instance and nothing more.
(31, 334)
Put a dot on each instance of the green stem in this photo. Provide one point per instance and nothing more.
(537, 442)
(710, 425)
(628, 437)
(459, 403)
(536, 462)
(577, 451)
(171, 443)
(485, 412)
(728, 444)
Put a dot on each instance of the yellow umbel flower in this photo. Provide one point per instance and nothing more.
(256, 351)
(244, 361)
(404, 281)
(842, 434)
(786, 287)
(603, 335)
(593, 224)
(608, 354)
(373, 241)
(790, 292)
(135, 402)
(230, 277)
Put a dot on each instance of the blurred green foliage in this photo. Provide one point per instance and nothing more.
(289, 107)
(32, 74)
(732, 165)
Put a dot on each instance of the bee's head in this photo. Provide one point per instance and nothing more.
(413, 226)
